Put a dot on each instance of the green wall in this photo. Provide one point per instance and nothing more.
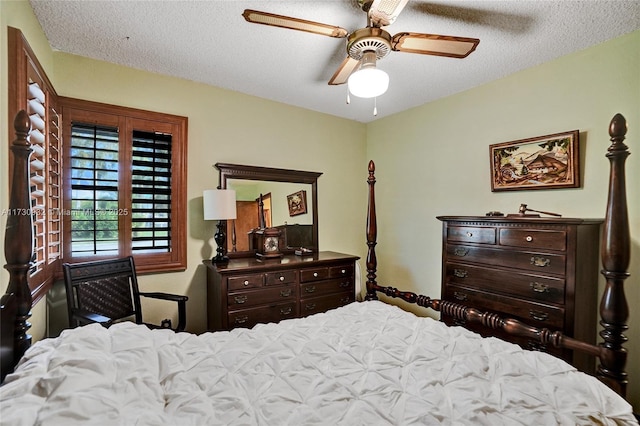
(434, 160)
(431, 160)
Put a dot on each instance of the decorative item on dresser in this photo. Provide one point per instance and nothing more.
(219, 204)
(541, 271)
(247, 291)
(267, 238)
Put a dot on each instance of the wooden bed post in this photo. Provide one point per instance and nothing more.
(615, 252)
(372, 234)
(18, 242)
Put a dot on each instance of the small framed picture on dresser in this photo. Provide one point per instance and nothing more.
(544, 162)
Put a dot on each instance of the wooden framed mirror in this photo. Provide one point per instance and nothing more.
(293, 205)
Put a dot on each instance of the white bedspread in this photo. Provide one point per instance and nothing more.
(364, 364)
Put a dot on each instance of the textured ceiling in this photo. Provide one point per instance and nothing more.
(210, 42)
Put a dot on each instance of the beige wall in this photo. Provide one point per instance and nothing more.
(431, 160)
(434, 160)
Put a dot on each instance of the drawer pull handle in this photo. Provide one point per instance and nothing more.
(343, 271)
(246, 282)
(538, 316)
(460, 273)
(540, 261)
(281, 278)
(285, 293)
(344, 284)
(310, 289)
(315, 274)
(240, 299)
(310, 306)
(242, 319)
(539, 287)
(529, 238)
(460, 251)
(469, 234)
(459, 296)
(345, 300)
(286, 310)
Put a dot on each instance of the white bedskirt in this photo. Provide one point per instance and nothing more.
(366, 363)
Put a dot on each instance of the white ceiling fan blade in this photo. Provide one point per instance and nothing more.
(433, 44)
(344, 71)
(257, 17)
(384, 12)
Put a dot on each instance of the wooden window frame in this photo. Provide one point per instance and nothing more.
(128, 119)
(24, 66)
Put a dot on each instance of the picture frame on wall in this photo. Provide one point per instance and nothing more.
(543, 162)
(297, 203)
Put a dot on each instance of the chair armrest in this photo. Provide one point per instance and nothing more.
(182, 308)
(166, 296)
(86, 317)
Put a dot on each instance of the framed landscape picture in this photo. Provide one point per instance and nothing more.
(544, 162)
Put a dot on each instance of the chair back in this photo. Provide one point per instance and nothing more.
(104, 287)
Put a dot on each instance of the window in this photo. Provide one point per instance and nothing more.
(124, 185)
(31, 90)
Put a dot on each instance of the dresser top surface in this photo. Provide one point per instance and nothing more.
(521, 219)
(289, 261)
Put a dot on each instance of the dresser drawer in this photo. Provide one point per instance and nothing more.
(314, 274)
(533, 239)
(471, 234)
(245, 281)
(313, 289)
(534, 261)
(530, 286)
(280, 277)
(273, 313)
(536, 314)
(341, 271)
(321, 304)
(265, 295)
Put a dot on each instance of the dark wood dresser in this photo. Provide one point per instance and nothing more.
(248, 291)
(541, 271)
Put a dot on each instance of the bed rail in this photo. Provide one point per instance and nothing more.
(615, 255)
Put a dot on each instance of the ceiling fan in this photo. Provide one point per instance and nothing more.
(367, 45)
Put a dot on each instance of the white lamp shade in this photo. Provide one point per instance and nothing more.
(368, 82)
(219, 204)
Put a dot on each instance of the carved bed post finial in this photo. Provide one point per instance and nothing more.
(616, 242)
(372, 233)
(18, 241)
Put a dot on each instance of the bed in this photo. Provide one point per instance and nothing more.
(368, 362)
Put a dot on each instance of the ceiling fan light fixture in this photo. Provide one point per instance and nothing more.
(368, 81)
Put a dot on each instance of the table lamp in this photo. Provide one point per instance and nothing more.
(219, 204)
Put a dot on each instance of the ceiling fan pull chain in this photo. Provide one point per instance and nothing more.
(348, 97)
(375, 106)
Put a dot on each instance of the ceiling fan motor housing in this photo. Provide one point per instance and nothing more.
(369, 40)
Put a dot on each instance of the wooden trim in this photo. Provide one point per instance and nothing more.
(127, 119)
(22, 63)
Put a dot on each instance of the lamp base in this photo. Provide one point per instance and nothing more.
(220, 260)
(220, 257)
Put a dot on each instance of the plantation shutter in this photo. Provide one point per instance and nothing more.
(94, 210)
(151, 192)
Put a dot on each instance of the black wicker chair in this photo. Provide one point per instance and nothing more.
(106, 291)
